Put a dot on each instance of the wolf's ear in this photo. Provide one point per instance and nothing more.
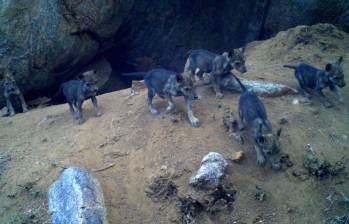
(328, 67)
(278, 133)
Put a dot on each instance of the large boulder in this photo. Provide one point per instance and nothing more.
(44, 40)
(76, 198)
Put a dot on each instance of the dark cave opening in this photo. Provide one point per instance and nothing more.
(118, 59)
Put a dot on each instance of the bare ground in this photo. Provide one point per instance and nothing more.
(36, 146)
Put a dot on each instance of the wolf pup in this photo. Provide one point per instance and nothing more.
(253, 114)
(310, 77)
(77, 91)
(204, 61)
(167, 84)
(11, 90)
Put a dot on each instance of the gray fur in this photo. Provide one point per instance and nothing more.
(253, 114)
(167, 84)
(77, 91)
(11, 90)
(316, 79)
(203, 61)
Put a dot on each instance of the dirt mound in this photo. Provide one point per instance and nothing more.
(43, 141)
(318, 44)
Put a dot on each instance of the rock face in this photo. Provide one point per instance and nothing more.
(48, 42)
(211, 171)
(303, 12)
(76, 198)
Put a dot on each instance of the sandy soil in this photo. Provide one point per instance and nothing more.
(36, 146)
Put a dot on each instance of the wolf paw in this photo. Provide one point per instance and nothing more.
(81, 121)
(219, 95)
(154, 112)
(169, 108)
(98, 114)
(195, 122)
(260, 160)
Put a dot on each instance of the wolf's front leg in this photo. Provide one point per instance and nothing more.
(80, 117)
(151, 95)
(217, 88)
(260, 156)
(171, 105)
(193, 120)
(95, 106)
(24, 105)
(10, 107)
(324, 99)
(334, 89)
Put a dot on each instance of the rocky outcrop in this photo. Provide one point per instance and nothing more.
(48, 42)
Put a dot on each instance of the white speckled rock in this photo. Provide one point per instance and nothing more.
(211, 171)
(76, 198)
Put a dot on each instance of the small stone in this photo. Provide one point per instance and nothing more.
(176, 118)
(260, 194)
(315, 111)
(238, 156)
(163, 168)
(137, 86)
(305, 101)
(295, 102)
(211, 171)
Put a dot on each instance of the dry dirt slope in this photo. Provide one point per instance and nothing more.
(35, 146)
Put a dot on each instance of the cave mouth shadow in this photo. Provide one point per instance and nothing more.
(117, 58)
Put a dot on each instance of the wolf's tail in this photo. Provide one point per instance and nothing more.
(135, 74)
(290, 66)
(242, 86)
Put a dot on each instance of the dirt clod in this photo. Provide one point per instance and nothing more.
(161, 188)
(237, 156)
(260, 194)
(322, 169)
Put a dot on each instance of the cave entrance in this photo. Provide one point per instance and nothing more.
(119, 61)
